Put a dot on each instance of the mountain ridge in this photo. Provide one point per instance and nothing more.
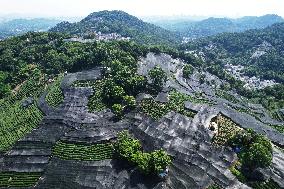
(20, 26)
(213, 26)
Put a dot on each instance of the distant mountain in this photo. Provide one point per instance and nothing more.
(261, 51)
(20, 26)
(121, 23)
(253, 22)
(213, 26)
(210, 26)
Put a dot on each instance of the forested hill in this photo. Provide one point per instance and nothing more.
(213, 26)
(260, 51)
(121, 23)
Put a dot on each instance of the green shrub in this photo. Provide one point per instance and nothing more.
(159, 160)
(151, 163)
(142, 160)
(240, 176)
(16, 122)
(18, 179)
(96, 100)
(112, 93)
(4, 88)
(129, 101)
(126, 146)
(256, 149)
(257, 156)
(202, 78)
(270, 184)
(264, 141)
(279, 128)
(242, 139)
(148, 163)
(214, 186)
(176, 103)
(187, 71)
(117, 110)
(135, 84)
(55, 96)
(226, 95)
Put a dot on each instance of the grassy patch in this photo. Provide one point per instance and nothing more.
(55, 96)
(96, 100)
(83, 152)
(226, 96)
(279, 128)
(176, 103)
(15, 120)
(237, 172)
(18, 179)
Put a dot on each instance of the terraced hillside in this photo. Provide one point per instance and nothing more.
(72, 147)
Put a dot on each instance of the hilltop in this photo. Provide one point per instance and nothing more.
(121, 23)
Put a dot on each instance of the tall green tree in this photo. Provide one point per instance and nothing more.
(158, 78)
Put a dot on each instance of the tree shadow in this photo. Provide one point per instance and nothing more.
(136, 178)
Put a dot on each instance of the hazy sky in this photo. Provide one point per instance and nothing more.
(230, 8)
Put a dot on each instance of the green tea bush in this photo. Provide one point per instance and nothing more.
(55, 96)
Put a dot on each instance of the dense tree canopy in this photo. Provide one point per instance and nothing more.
(22, 56)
